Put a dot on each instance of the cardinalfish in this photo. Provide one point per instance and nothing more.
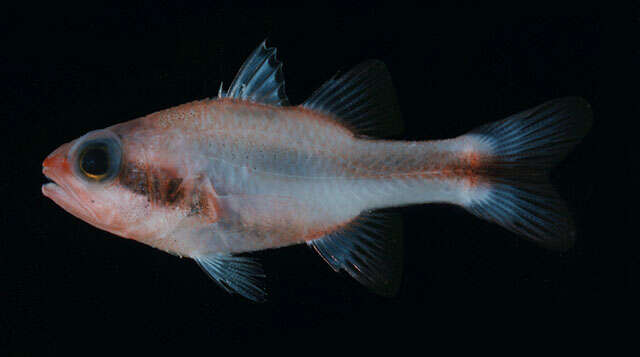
(247, 171)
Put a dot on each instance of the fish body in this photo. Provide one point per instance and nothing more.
(245, 172)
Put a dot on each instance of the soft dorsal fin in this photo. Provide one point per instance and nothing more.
(260, 79)
(241, 275)
(363, 98)
(369, 249)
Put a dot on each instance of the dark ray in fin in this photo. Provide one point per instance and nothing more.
(260, 79)
(369, 249)
(241, 275)
(363, 98)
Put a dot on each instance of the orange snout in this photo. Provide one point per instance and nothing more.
(57, 160)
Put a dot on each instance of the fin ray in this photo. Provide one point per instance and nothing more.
(369, 249)
(363, 98)
(241, 275)
(521, 149)
(539, 137)
(260, 79)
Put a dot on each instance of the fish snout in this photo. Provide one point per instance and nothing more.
(57, 157)
(55, 167)
(57, 162)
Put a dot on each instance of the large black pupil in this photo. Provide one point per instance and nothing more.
(95, 161)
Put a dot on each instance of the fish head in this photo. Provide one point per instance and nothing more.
(86, 175)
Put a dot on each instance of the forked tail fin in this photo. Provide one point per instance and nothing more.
(521, 150)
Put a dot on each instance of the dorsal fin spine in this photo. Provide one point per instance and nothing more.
(259, 79)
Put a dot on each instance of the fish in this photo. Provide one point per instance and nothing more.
(216, 179)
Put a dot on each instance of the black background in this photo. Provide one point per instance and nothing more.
(68, 70)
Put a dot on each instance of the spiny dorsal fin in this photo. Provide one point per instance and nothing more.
(260, 79)
(363, 98)
(242, 275)
(369, 249)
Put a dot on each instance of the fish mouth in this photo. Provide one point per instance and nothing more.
(51, 177)
(65, 197)
(49, 187)
(53, 190)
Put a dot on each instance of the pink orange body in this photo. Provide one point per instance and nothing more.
(289, 174)
(246, 172)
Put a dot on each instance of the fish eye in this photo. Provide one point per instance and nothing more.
(99, 160)
(94, 161)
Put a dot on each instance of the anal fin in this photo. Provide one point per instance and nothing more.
(369, 249)
(241, 275)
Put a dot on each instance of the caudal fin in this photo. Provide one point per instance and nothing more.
(521, 150)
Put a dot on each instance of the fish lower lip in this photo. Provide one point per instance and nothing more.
(49, 181)
(48, 188)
